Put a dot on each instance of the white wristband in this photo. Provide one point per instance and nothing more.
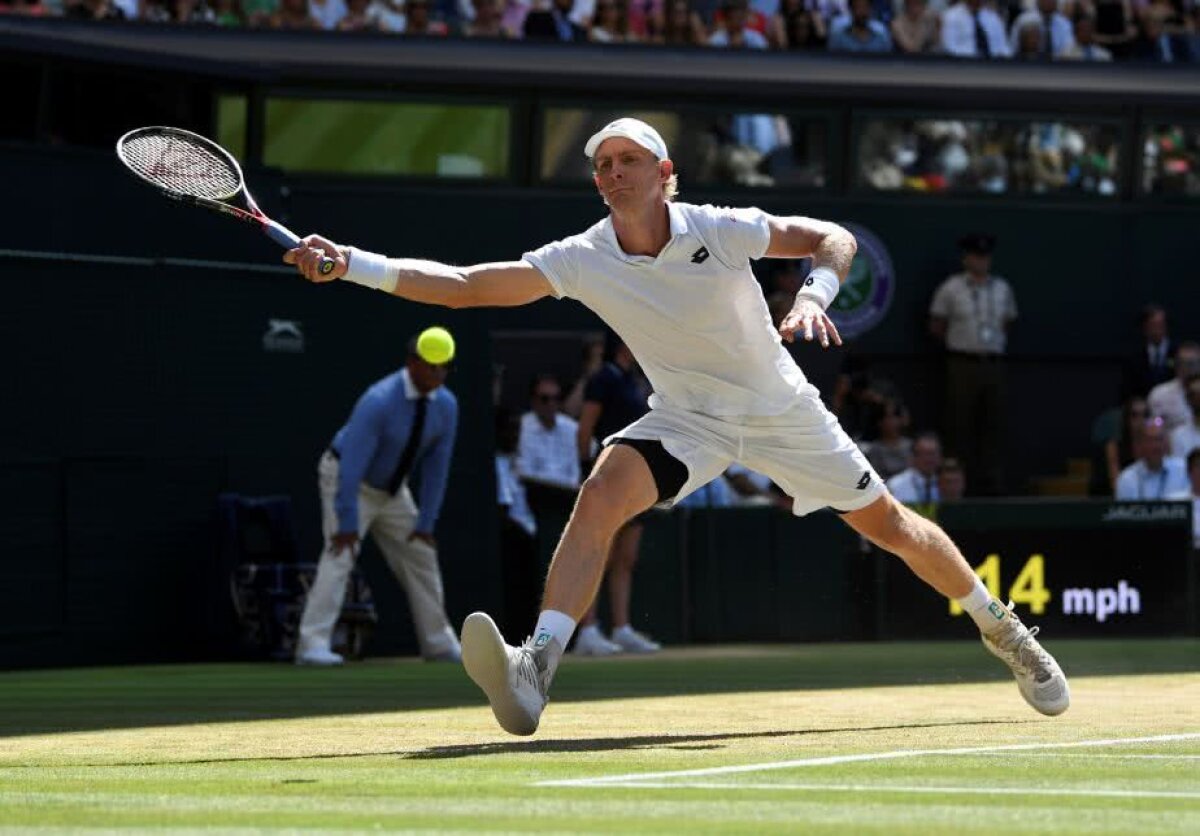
(821, 286)
(370, 270)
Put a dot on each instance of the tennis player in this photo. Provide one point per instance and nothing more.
(674, 281)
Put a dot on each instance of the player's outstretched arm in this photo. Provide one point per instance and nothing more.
(832, 250)
(500, 284)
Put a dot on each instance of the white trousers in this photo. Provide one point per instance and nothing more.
(390, 520)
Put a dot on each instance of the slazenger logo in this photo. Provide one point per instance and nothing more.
(542, 640)
(996, 610)
(283, 335)
(866, 296)
(1142, 513)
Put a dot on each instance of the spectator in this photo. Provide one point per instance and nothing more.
(1085, 47)
(293, 14)
(94, 10)
(972, 312)
(681, 25)
(615, 397)
(1028, 47)
(1151, 364)
(1168, 400)
(918, 484)
(749, 487)
(917, 30)
(1154, 475)
(358, 17)
(1055, 34)
(403, 424)
(418, 22)
(546, 454)
(554, 24)
(1154, 45)
(1115, 26)
(715, 494)
(797, 27)
(611, 23)
(229, 13)
(972, 30)
(26, 8)
(890, 451)
(755, 19)
(1119, 449)
(191, 11)
(734, 31)
(487, 21)
(518, 532)
(388, 15)
(861, 33)
(952, 481)
(1186, 437)
(1193, 470)
(327, 13)
(591, 361)
(256, 12)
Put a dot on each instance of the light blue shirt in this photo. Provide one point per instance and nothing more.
(369, 446)
(914, 488)
(1168, 482)
(843, 38)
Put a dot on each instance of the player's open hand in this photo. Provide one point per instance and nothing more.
(312, 251)
(807, 320)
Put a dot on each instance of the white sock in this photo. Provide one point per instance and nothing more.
(984, 610)
(558, 624)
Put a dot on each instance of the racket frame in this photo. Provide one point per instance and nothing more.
(274, 230)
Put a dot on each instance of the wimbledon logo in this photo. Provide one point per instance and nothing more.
(866, 295)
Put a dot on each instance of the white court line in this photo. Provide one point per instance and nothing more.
(637, 778)
(885, 788)
(1093, 755)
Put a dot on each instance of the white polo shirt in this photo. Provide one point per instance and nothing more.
(694, 316)
(550, 455)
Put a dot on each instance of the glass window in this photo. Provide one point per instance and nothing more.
(1171, 160)
(988, 156)
(708, 147)
(407, 138)
(231, 125)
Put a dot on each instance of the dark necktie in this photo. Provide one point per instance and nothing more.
(410, 449)
(1047, 48)
(981, 40)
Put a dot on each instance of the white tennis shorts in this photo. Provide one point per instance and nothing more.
(805, 451)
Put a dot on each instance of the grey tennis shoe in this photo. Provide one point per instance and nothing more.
(1039, 678)
(514, 679)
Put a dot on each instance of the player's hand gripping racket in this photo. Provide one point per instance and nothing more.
(189, 168)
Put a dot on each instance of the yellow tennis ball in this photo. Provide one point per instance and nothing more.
(436, 346)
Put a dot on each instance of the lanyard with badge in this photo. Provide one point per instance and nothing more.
(983, 313)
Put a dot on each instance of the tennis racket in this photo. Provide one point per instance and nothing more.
(189, 168)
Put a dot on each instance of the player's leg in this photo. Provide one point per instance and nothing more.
(323, 604)
(628, 478)
(810, 456)
(932, 556)
(621, 562)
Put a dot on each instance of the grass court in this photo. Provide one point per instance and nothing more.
(836, 738)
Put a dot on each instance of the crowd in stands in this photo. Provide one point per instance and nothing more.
(1158, 31)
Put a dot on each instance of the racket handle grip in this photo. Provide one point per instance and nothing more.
(287, 239)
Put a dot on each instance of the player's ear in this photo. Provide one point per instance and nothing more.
(665, 169)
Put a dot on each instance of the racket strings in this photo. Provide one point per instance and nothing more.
(181, 165)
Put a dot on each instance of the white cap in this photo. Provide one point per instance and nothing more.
(634, 129)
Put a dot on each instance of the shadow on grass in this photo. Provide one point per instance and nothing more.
(665, 741)
(44, 702)
(559, 745)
